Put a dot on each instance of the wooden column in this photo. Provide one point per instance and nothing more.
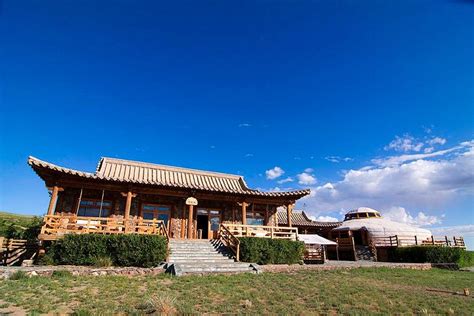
(289, 211)
(54, 199)
(244, 212)
(128, 204)
(190, 221)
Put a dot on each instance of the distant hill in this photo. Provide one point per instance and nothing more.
(17, 225)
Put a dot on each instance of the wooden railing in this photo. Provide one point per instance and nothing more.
(230, 241)
(314, 253)
(14, 251)
(274, 232)
(57, 226)
(404, 241)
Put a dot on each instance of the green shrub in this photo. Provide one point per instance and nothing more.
(433, 254)
(46, 260)
(270, 251)
(103, 262)
(467, 259)
(19, 275)
(123, 250)
(61, 274)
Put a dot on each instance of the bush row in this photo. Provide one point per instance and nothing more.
(270, 251)
(421, 254)
(123, 250)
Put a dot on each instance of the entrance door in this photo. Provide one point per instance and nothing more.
(357, 234)
(214, 223)
(208, 220)
(202, 226)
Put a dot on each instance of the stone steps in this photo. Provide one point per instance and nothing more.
(203, 257)
(363, 253)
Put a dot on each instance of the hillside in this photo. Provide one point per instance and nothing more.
(18, 225)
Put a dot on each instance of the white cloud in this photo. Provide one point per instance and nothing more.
(409, 144)
(306, 179)
(326, 219)
(309, 170)
(286, 180)
(401, 215)
(413, 182)
(274, 173)
(397, 160)
(406, 143)
(244, 125)
(275, 189)
(249, 155)
(337, 159)
(436, 141)
(460, 230)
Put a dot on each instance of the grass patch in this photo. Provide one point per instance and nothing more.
(19, 275)
(359, 291)
(61, 274)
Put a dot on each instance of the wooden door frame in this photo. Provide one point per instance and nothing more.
(209, 215)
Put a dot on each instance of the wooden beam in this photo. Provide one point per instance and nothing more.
(190, 222)
(54, 199)
(71, 182)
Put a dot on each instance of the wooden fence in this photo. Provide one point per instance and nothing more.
(274, 232)
(14, 251)
(406, 241)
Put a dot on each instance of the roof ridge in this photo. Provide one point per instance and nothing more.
(168, 167)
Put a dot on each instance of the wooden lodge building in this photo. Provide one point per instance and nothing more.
(124, 196)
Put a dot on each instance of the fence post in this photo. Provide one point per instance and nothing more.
(432, 240)
(396, 240)
(416, 240)
(455, 243)
(354, 249)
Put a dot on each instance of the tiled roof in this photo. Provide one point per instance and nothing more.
(129, 171)
(301, 219)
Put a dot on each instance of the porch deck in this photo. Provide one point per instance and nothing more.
(56, 226)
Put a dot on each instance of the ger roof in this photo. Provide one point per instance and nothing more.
(363, 210)
(299, 218)
(129, 171)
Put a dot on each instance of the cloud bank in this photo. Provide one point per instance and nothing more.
(411, 181)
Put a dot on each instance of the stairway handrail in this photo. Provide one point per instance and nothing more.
(232, 242)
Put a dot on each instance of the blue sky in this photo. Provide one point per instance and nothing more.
(368, 103)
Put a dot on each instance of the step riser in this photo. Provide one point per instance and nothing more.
(204, 257)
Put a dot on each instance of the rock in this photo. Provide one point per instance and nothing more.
(33, 273)
(247, 303)
(27, 263)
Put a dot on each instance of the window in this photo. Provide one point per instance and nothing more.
(153, 211)
(92, 208)
(255, 218)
